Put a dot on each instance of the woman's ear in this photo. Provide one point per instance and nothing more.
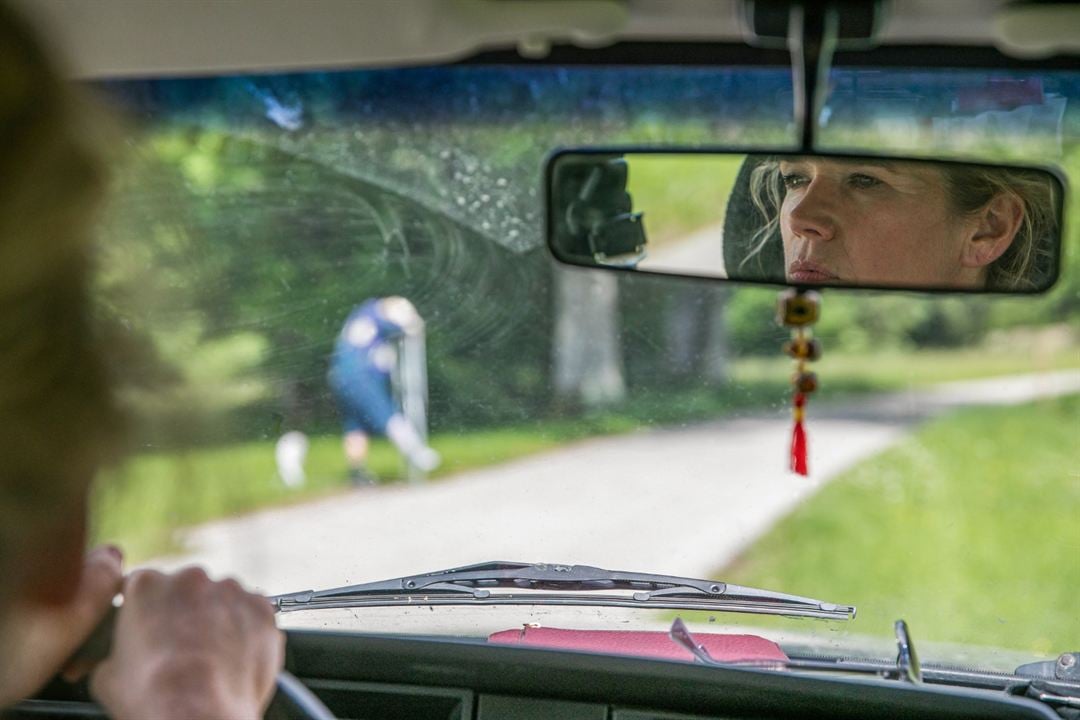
(995, 229)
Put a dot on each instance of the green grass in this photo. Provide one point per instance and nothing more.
(143, 503)
(968, 530)
(680, 194)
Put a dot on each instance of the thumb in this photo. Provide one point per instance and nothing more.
(101, 580)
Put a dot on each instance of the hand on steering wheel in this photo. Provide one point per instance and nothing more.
(186, 646)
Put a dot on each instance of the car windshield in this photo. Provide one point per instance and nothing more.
(264, 228)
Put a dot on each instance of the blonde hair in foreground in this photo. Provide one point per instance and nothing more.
(58, 422)
(969, 187)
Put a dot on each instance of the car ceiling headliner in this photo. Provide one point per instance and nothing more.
(124, 38)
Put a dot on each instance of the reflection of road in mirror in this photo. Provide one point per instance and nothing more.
(699, 253)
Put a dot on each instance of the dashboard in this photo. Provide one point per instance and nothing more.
(369, 677)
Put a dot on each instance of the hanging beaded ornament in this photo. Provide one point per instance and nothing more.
(799, 310)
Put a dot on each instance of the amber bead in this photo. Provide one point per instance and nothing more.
(805, 382)
(802, 348)
(798, 309)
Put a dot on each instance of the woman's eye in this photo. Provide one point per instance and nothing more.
(794, 180)
(862, 182)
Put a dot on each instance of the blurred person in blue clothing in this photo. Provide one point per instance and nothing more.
(361, 367)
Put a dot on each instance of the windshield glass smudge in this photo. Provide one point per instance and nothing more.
(632, 423)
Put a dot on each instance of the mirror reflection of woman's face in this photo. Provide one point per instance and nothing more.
(870, 222)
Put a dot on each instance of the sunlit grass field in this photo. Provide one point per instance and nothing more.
(141, 504)
(968, 530)
(680, 194)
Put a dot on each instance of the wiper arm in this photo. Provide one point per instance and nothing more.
(510, 583)
(905, 668)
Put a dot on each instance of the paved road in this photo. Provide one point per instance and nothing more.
(679, 501)
(700, 252)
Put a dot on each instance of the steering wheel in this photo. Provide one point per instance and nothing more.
(292, 701)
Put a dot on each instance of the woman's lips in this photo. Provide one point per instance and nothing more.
(808, 271)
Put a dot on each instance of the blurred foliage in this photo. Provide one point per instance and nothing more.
(862, 322)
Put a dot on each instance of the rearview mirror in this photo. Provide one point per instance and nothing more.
(840, 220)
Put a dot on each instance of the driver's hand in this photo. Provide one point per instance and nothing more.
(43, 637)
(188, 647)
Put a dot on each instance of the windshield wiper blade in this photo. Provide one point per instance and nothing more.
(513, 583)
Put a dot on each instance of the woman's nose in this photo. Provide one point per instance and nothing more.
(812, 214)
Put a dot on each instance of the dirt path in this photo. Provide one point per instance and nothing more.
(679, 501)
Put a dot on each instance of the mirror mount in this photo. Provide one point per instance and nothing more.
(811, 31)
(812, 39)
(596, 222)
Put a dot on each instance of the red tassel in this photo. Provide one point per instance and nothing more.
(798, 437)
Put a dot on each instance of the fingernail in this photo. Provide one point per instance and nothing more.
(116, 552)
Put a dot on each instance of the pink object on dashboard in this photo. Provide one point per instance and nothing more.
(725, 648)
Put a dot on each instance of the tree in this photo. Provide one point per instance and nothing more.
(586, 356)
(696, 334)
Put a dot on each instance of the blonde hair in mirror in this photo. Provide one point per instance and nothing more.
(1026, 265)
(1028, 262)
(58, 420)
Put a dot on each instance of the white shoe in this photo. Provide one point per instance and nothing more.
(425, 459)
(290, 453)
